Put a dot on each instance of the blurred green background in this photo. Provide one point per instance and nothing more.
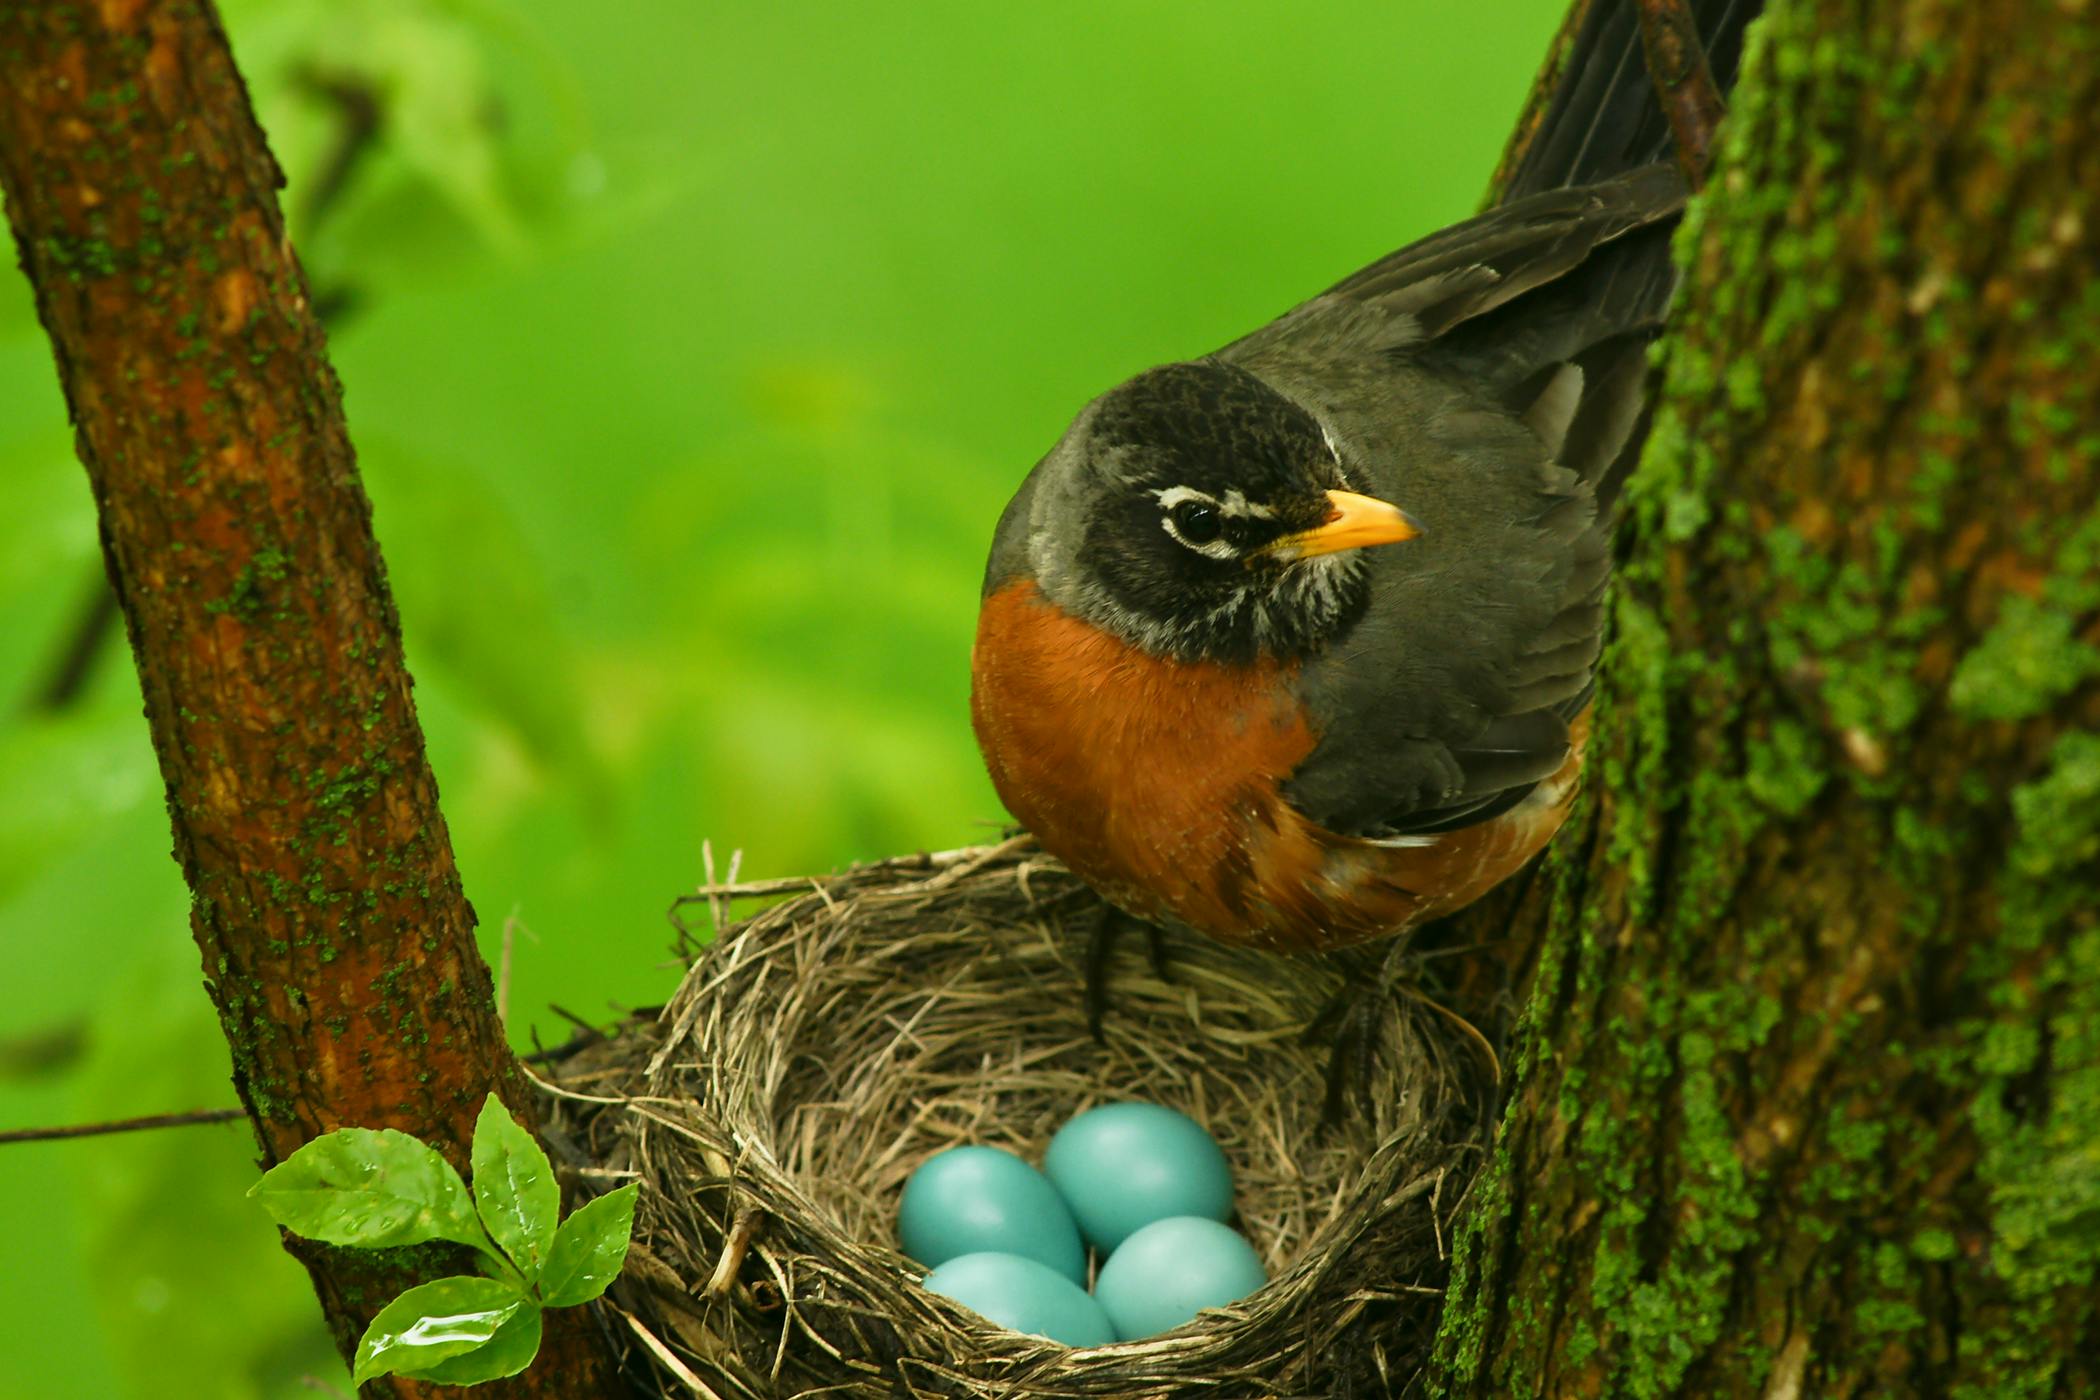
(691, 352)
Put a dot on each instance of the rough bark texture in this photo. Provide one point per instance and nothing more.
(338, 946)
(1805, 1099)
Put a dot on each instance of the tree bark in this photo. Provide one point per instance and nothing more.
(1805, 1095)
(338, 945)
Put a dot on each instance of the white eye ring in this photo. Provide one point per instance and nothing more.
(1235, 506)
(1174, 497)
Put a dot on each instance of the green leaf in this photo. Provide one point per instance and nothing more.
(374, 1187)
(435, 1321)
(510, 1351)
(515, 1187)
(588, 1250)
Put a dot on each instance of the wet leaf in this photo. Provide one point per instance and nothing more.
(436, 1321)
(369, 1186)
(510, 1351)
(588, 1250)
(515, 1187)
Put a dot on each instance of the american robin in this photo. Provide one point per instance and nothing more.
(1292, 644)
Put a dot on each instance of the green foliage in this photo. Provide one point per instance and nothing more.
(588, 1250)
(508, 1352)
(692, 352)
(187, 1279)
(514, 1189)
(434, 1322)
(376, 1189)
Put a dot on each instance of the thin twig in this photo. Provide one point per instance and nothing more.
(741, 1233)
(590, 1035)
(664, 1355)
(360, 118)
(584, 1029)
(512, 926)
(123, 1125)
(1684, 83)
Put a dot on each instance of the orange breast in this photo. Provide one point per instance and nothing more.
(1159, 783)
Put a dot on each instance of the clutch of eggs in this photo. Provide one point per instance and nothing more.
(1145, 1185)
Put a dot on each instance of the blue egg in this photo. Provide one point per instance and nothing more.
(1125, 1165)
(968, 1200)
(1165, 1272)
(1025, 1296)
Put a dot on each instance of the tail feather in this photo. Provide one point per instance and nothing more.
(1601, 117)
(1600, 120)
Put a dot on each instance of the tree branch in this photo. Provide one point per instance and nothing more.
(337, 942)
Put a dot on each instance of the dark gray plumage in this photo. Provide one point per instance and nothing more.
(1488, 380)
(1451, 694)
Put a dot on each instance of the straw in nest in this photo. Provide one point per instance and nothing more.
(819, 1051)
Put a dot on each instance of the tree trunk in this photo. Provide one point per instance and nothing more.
(1805, 1097)
(338, 946)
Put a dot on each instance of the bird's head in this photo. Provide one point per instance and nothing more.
(1197, 513)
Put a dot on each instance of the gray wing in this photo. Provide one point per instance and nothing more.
(1474, 267)
(1489, 381)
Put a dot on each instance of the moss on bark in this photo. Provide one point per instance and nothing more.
(1807, 1087)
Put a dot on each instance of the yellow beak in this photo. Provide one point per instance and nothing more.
(1356, 521)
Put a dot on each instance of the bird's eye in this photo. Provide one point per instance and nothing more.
(1196, 521)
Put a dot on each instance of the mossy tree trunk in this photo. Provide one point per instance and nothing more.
(338, 945)
(1805, 1098)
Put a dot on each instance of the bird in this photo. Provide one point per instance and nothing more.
(1293, 643)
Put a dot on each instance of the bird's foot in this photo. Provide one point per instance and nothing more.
(1356, 1020)
(1101, 946)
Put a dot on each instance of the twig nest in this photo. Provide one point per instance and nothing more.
(820, 1050)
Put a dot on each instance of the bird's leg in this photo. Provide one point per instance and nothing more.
(1156, 952)
(1098, 949)
(1357, 1019)
(1107, 929)
(1684, 83)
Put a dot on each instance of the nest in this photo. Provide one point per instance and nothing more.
(820, 1050)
